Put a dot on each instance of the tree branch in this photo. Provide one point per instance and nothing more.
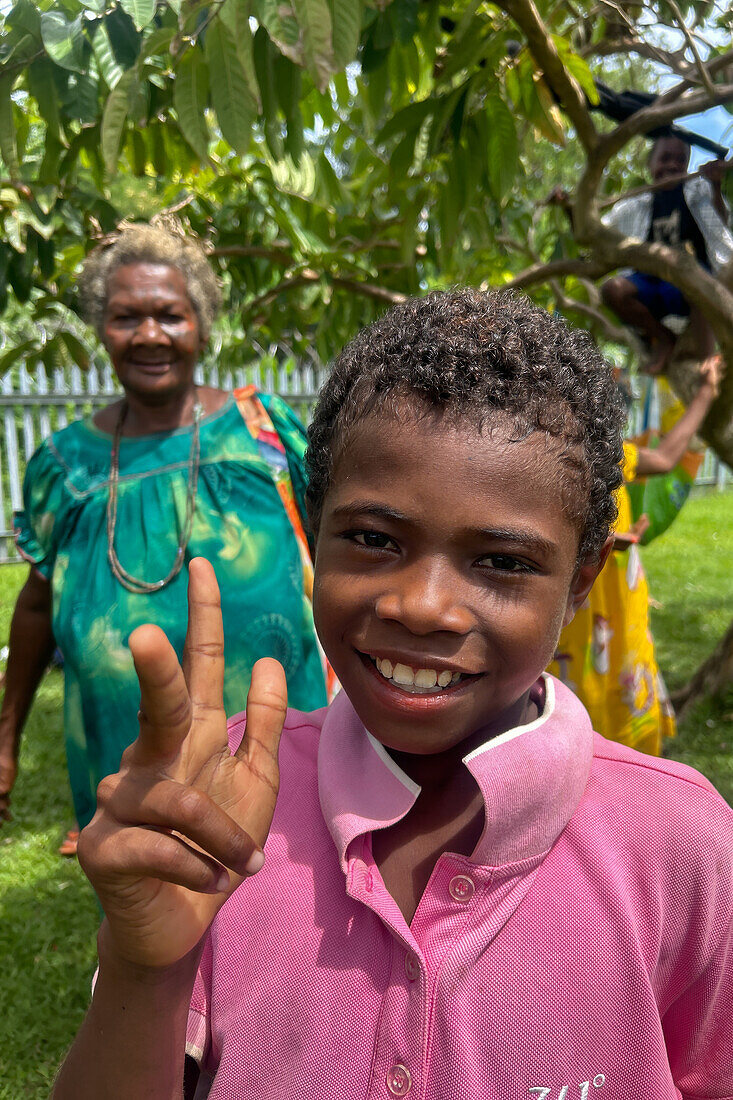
(616, 333)
(308, 275)
(543, 49)
(543, 272)
(645, 187)
(277, 251)
(612, 47)
(368, 290)
(704, 74)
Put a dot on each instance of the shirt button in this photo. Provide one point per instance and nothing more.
(412, 967)
(461, 888)
(399, 1081)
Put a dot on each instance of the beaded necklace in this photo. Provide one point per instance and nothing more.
(135, 584)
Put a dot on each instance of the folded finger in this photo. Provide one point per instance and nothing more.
(173, 806)
(148, 853)
(165, 706)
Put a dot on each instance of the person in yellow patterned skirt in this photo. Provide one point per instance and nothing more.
(606, 654)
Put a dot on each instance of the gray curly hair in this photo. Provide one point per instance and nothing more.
(162, 240)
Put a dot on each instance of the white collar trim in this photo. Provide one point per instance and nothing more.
(509, 735)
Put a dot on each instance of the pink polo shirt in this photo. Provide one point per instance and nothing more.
(583, 952)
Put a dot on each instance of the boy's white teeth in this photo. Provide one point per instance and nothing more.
(420, 679)
(403, 675)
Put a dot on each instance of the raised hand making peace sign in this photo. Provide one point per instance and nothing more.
(184, 821)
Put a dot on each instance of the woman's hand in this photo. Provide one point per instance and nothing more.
(622, 540)
(711, 374)
(183, 821)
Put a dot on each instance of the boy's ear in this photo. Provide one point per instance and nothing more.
(583, 578)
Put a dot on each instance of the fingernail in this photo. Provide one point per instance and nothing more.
(222, 883)
(255, 862)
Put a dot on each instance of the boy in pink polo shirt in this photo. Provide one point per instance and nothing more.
(466, 893)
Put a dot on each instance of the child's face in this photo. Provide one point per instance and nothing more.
(445, 550)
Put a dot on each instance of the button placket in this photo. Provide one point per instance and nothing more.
(399, 1081)
(461, 888)
(412, 968)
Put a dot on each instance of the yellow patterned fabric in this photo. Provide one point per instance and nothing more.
(606, 654)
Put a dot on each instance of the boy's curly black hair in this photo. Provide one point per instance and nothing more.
(473, 354)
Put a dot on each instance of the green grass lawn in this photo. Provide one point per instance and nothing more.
(48, 915)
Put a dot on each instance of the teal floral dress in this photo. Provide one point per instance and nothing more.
(240, 525)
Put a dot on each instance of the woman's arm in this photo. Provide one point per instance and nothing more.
(31, 647)
(674, 444)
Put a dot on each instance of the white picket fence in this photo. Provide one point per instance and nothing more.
(33, 405)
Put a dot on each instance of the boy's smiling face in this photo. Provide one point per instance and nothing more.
(444, 550)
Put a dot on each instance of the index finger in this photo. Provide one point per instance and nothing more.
(203, 655)
(165, 708)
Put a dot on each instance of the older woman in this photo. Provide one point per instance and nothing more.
(117, 505)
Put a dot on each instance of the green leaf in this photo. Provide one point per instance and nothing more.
(346, 24)
(278, 17)
(157, 140)
(264, 59)
(12, 354)
(64, 40)
(43, 89)
(85, 92)
(288, 84)
(502, 145)
(235, 15)
(109, 66)
(137, 152)
(190, 97)
(20, 275)
(403, 14)
(24, 16)
(123, 37)
(46, 257)
(78, 351)
(230, 92)
(140, 11)
(114, 118)
(314, 19)
(406, 121)
(159, 42)
(8, 147)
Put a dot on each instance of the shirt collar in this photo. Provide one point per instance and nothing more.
(531, 778)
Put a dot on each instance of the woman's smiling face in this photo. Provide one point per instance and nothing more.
(444, 556)
(151, 330)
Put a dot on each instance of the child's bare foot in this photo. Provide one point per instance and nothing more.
(661, 353)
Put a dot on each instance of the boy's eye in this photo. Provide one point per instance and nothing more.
(375, 540)
(506, 563)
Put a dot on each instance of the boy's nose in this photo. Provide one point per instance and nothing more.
(425, 600)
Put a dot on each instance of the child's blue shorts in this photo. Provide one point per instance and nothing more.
(659, 297)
